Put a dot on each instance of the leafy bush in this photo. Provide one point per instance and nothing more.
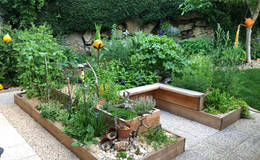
(227, 80)
(232, 56)
(8, 57)
(193, 46)
(217, 102)
(117, 47)
(197, 75)
(27, 10)
(39, 54)
(52, 111)
(83, 122)
(160, 53)
(74, 15)
(256, 49)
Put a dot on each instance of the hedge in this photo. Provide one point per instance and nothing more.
(81, 15)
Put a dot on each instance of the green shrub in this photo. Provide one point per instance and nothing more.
(8, 57)
(227, 80)
(27, 10)
(256, 49)
(193, 46)
(160, 53)
(81, 15)
(232, 56)
(52, 111)
(117, 47)
(38, 53)
(197, 75)
(217, 102)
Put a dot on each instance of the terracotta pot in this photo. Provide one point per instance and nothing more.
(105, 144)
(111, 133)
(123, 131)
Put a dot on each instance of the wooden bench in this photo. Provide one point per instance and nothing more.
(179, 96)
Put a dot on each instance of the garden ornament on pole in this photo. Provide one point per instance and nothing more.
(98, 44)
(7, 38)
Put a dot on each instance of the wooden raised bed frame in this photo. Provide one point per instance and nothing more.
(151, 120)
(185, 103)
(166, 153)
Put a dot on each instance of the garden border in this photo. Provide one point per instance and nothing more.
(166, 153)
(164, 95)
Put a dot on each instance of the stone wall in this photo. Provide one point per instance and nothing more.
(192, 26)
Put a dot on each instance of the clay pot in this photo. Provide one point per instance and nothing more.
(105, 144)
(111, 133)
(123, 131)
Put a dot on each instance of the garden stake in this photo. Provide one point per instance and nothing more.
(46, 67)
(71, 100)
(95, 75)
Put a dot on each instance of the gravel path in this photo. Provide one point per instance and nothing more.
(39, 139)
(240, 141)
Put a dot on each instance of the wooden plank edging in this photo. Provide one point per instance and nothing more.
(166, 153)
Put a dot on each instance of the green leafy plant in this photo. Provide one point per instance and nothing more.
(8, 57)
(217, 102)
(144, 104)
(83, 122)
(40, 62)
(158, 138)
(27, 10)
(121, 154)
(256, 49)
(124, 113)
(191, 46)
(197, 75)
(52, 111)
(160, 53)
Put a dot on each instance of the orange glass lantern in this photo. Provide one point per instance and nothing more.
(98, 44)
(249, 22)
(7, 38)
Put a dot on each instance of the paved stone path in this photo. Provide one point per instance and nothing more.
(240, 141)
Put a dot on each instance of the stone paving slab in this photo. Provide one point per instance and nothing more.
(8, 97)
(15, 147)
(240, 141)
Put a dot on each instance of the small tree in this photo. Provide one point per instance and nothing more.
(253, 6)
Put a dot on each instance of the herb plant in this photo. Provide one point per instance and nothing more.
(221, 102)
(52, 111)
(158, 138)
(144, 104)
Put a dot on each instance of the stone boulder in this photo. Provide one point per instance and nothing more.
(185, 27)
(89, 37)
(132, 26)
(75, 42)
(203, 32)
(148, 28)
(201, 23)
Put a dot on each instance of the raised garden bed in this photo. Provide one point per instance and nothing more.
(152, 120)
(166, 153)
(12, 89)
(185, 103)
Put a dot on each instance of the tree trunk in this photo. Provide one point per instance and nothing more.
(248, 44)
